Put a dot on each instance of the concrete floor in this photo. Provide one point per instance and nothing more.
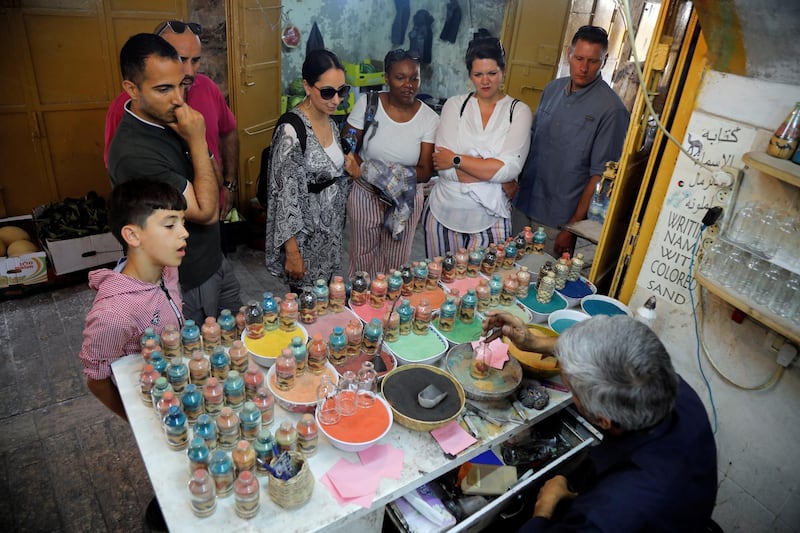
(66, 462)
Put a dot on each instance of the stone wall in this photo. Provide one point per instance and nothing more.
(211, 15)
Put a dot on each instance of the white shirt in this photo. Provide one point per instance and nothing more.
(474, 207)
(391, 141)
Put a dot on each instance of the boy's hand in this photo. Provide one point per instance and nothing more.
(191, 125)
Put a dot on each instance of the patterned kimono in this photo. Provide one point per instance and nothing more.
(316, 220)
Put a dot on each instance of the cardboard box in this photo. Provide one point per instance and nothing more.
(69, 255)
(28, 269)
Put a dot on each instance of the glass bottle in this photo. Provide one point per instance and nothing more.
(358, 291)
(240, 322)
(159, 362)
(561, 270)
(237, 354)
(246, 492)
(511, 255)
(764, 241)
(206, 429)
(407, 274)
(178, 377)
(367, 379)
(233, 388)
(199, 369)
(484, 294)
(159, 388)
(322, 294)
(462, 258)
(406, 314)
(378, 290)
(543, 270)
(285, 370)
(447, 314)
(509, 291)
(420, 276)
(149, 347)
(337, 295)
(169, 399)
(307, 435)
(176, 428)
(346, 393)
(529, 246)
(286, 437)
(220, 467)
(171, 343)
(448, 268)
(253, 380)
(495, 288)
(767, 285)
(784, 303)
(227, 327)
(489, 261)
(785, 139)
(289, 309)
(190, 337)
(317, 354)
(373, 332)
(147, 380)
(203, 494)
(434, 273)
(355, 334)
(300, 353)
(308, 305)
(212, 335)
(266, 404)
(327, 401)
(737, 260)
(547, 286)
(474, 263)
(264, 447)
(192, 403)
(539, 240)
(576, 267)
(519, 241)
(244, 457)
(213, 397)
(337, 345)
(227, 429)
(524, 280)
(422, 317)
(466, 311)
(198, 454)
(254, 320)
(249, 421)
(394, 286)
(269, 306)
(500, 249)
(220, 363)
(391, 327)
(149, 334)
(745, 280)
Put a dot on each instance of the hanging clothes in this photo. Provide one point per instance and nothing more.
(315, 41)
(452, 21)
(400, 22)
(421, 36)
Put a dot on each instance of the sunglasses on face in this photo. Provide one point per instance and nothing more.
(179, 27)
(329, 92)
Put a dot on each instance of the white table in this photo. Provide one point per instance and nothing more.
(424, 461)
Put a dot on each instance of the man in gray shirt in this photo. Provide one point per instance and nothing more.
(579, 125)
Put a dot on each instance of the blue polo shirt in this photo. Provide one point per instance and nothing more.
(661, 479)
(572, 137)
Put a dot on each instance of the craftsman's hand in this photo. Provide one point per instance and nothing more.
(190, 125)
(294, 266)
(443, 158)
(511, 188)
(565, 242)
(352, 165)
(551, 493)
(503, 323)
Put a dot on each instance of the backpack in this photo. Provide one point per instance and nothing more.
(349, 142)
(510, 111)
(262, 185)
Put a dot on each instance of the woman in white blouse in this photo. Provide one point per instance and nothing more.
(481, 143)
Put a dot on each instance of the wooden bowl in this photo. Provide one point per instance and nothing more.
(401, 386)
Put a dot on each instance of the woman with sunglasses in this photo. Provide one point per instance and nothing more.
(481, 144)
(399, 139)
(308, 189)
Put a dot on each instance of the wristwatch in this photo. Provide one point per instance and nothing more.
(232, 186)
(456, 161)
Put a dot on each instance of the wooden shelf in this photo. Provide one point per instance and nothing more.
(782, 169)
(758, 312)
(588, 229)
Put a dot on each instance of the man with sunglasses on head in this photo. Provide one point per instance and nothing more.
(580, 124)
(161, 137)
(203, 95)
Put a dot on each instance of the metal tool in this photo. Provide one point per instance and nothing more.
(492, 418)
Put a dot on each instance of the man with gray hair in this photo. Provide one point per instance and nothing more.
(656, 467)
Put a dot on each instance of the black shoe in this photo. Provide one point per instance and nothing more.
(153, 518)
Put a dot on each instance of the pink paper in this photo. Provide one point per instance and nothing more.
(364, 501)
(452, 438)
(354, 479)
(384, 458)
(495, 354)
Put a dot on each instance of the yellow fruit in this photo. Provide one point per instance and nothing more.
(9, 234)
(21, 247)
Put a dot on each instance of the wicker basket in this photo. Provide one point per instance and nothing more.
(292, 492)
(413, 423)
